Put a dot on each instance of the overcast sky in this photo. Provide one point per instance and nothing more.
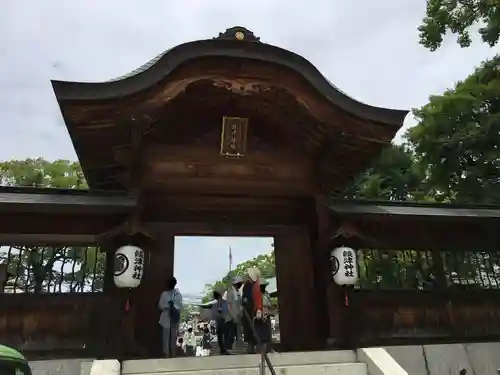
(369, 49)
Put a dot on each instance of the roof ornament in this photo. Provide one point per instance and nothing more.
(238, 33)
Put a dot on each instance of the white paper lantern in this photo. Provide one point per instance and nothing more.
(129, 266)
(345, 266)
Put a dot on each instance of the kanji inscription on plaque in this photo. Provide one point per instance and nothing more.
(234, 136)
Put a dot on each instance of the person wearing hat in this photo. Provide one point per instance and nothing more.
(252, 304)
(233, 298)
(221, 317)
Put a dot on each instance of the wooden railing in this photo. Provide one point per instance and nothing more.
(264, 358)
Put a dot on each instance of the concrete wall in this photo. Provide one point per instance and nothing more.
(477, 359)
(61, 367)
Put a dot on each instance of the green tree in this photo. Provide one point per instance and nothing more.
(55, 268)
(452, 155)
(459, 17)
(42, 173)
(264, 262)
(394, 176)
(457, 139)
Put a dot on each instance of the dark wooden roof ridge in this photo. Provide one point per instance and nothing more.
(164, 64)
(26, 199)
(375, 207)
(63, 191)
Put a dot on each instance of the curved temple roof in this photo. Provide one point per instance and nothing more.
(234, 42)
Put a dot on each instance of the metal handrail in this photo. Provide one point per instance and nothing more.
(264, 358)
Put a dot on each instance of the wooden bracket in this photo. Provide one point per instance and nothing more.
(123, 233)
(347, 231)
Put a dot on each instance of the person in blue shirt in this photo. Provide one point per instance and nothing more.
(170, 305)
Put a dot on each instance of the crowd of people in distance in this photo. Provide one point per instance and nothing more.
(242, 311)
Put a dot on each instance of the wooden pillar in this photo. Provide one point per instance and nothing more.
(3, 277)
(295, 277)
(113, 324)
(108, 282)
(333, 308)
(159, 267)
(322, 267)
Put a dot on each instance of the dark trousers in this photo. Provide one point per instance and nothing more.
(221, 329)
(231, 332)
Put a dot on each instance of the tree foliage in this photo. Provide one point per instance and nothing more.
(452, 156)
(42, 173)
(459, 17)
(394, 177)
(264, 262)
(457, 139)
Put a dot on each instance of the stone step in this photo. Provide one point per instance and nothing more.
(326, 362)
(237, 349)
(323, 369)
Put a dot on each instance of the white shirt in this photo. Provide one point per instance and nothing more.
(163, 304)
(233, 298)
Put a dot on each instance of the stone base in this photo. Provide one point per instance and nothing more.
(310, 363)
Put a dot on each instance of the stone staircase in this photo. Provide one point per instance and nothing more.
(241, 347)
(238, 349)
(306, 363)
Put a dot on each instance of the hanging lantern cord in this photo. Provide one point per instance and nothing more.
(127, 300)
(346, 297)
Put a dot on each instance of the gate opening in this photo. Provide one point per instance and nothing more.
(203, 265)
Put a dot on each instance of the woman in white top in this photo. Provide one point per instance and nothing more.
(170, 305)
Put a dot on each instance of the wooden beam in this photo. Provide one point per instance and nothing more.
(412, 211)
(44, 224)
(405, 233)
(223, 218)
(224, 209)
(181, 169)
(63, 201)
(28, 239)
(229, 203)
(217, 229)
(234, 186)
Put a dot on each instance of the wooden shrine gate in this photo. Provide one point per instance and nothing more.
(224, 136)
